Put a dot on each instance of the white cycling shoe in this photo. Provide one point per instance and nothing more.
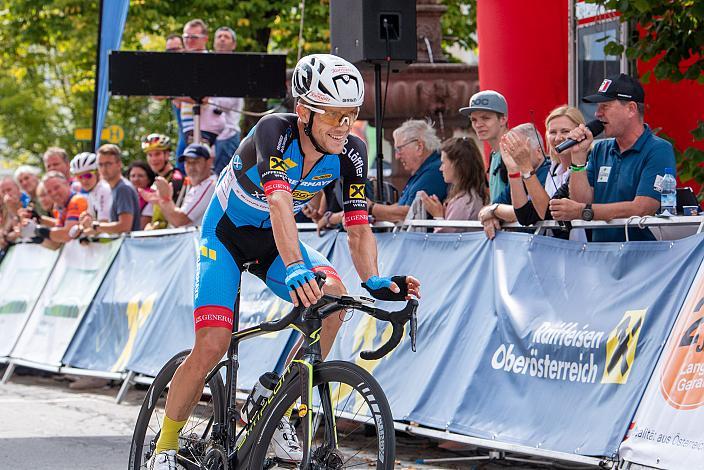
(285, 442)
(164, 460)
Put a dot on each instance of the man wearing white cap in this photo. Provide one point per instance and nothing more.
(488, 113)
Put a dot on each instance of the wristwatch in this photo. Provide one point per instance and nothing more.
(527, 174)
(588, 213)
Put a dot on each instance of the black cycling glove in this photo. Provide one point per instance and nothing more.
(380, 287)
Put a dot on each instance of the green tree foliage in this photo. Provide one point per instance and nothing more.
(47, 62)
(672, 32)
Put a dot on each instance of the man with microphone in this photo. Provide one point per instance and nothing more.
(621, 178)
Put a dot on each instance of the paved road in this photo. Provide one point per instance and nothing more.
(45, 425)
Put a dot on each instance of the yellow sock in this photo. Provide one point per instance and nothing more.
(168, 439)
(289, 412)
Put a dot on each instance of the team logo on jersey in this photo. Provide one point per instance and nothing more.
(322, 177)
(237, 163)
(301, 195)
(279, 164)
(357, 191)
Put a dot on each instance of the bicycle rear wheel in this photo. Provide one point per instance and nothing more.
(352, 426)
(195, 437)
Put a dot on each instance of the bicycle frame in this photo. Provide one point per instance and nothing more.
(310, 326)
(309, 322)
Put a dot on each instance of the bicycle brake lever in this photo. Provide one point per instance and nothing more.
(414, 331)
(398, 320)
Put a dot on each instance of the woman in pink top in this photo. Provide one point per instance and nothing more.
(462, 167)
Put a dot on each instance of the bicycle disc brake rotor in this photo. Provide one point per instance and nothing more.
(327, 459)
(215, 459)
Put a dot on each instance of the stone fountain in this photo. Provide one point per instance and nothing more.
(430, 88)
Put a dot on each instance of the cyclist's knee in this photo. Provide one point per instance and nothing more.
(210, 346)
(334, 286)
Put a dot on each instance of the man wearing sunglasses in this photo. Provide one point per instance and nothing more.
(84, 167)
(282, 163)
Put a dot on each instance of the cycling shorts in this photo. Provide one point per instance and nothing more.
(223, 251)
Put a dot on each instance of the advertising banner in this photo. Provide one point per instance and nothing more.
(24, 272)
(58, 312)
(455, 320)
(527, 335)
(144, 306)
(666, 431)
(579, 330)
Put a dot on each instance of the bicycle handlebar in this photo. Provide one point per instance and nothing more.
(285, 321)
(398, 321)
(329, 304)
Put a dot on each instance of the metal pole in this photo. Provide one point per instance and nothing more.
(96, 133)
(196, 120)
(379, 136)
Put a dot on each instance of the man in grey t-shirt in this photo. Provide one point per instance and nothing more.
(125, 212)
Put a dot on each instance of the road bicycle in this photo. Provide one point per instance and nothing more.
(341, 414)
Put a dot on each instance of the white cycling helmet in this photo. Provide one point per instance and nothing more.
(85, 161)
(327, 80)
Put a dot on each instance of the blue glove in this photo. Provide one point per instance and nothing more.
(380, 287)
(297, 275)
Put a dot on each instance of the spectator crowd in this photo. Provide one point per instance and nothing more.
(525, 179)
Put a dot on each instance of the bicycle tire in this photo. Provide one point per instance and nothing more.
(357, 379)
(140, 451)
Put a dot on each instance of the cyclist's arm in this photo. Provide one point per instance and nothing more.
(363, 250)
(361, 240)
(283, 224)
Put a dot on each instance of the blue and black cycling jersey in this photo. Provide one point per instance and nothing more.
(237, 226)
(270, 159)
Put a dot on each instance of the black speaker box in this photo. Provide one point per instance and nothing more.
(358, 32)
(197, 75)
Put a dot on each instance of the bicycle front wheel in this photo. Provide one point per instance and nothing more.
(195, 437)
(352, 422)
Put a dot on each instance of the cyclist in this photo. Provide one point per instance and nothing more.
(283, 162)
(84, 167)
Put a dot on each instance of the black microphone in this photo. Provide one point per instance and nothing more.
(596, 126)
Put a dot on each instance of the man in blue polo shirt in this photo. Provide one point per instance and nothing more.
(417, 147)
(620, 179)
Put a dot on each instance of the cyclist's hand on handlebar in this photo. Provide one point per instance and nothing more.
(394, 288)
(302, 285)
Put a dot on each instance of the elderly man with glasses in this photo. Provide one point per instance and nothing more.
(417, 147)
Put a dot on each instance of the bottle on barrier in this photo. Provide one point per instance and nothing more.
(668, 195)
(261, 391)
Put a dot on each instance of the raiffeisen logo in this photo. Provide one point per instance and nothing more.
(570, 352)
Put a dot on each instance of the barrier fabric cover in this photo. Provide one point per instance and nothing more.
(666, 431)
(143, 314)
(21, 285)
(143, 311)
(526, 340)
(60, 308)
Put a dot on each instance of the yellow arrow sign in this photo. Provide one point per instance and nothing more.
(113, 134)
